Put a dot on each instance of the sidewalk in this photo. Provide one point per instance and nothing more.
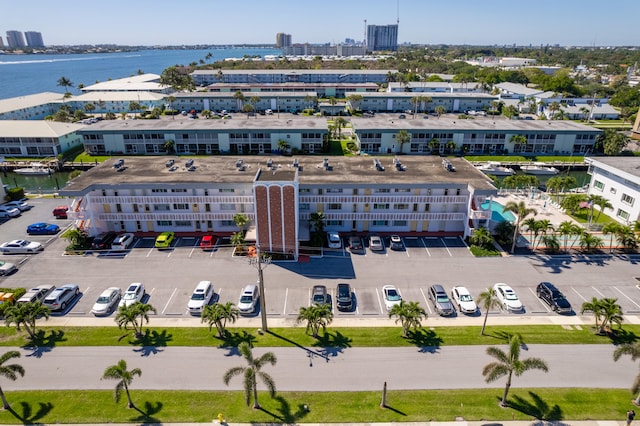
(454, 423)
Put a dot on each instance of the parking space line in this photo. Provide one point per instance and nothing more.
(444, 243)
(425, 246)
(192, 250)
(579, 295)
(598, 291)
(426, 302)
(463, 242)
(630, 299)
(379, 302)
(150, 251)
(169, 301)
(544, 305)
(286, 294)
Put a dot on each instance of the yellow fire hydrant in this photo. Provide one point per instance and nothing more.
(220, 418)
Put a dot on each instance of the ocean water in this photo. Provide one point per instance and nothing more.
(28, 74)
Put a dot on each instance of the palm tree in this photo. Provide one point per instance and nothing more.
(403, 137)
(9, 371)
(567, 229)
(340, 123)
(283, 145)
(611, 313)
(316, 316)
(487, 300)
(65, 82)
(89, 107)
(237, 240)
(481, 237)
(611, 229)
(626, 237)
(601, 202)
(589, 242)
(434, 145)
(125, 377)
(510, 363)
(521, 211)
(542, 227)
(240, 98)
(251, 373)
(26, 314)
(218, 314)
(409, 314)
(317, 221)
(632, 349)
(553, 107)
(530, 223)
(594, 306)
(129, 315)
(440, 110)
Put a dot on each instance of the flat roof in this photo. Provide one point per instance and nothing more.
(292, 84)
(36, 128)
(361, 170)
(247, 95)
(29, 101)
(134, 82)
(292, 72)
(451, 123)
(455, 95)
(630, 165)
(119, 96)
(239, 122)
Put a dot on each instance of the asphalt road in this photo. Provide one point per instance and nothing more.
(300, 369)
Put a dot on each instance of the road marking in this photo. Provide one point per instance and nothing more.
(169, 301)
(630, 299)
(286, 294)
(445, 246)
(464, 242)
(579, 295)
(425, 246)
(598, 291)
(544, 305)
(379, 302)
(426, 301)
(149, 253)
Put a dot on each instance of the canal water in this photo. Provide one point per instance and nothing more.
(44, 184)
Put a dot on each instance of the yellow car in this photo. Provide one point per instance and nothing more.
(164, 240)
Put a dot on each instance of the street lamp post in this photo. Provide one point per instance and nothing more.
(258, 261)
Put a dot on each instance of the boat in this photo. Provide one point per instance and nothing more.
(539, 169)
(34, 169)
(495, 169)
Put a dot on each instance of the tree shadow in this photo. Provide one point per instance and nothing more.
(426, 340)
(147, 415)
(395, 410)
(27, 416)
(43, 342)
(233, 339)
(336, 341)
(537, 408)
(621, 336)
(151, 341)
(286, 415)
(311, 354)
(505, 336)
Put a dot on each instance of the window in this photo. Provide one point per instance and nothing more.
(159, 190)
(381, 206)
(178, 190)
(334, 206)
(598, 185)
(164, 223)
(399, 223)
(334, 223)
(304, 206)
(334, 191)
(627, 199)
(183, 223)
(402, 206)
(622, 214)
(383, 190)
(227, 207)
(380, 222)
(161, 207)
(227, 223)
(226, 190)
(402, 190)
(304, 190)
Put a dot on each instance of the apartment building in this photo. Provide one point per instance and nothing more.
(28, 138)
(382, 37)
(206, 77)
(408, 195)
(402, 101)
(618, 180)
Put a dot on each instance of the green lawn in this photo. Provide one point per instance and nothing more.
(518, 158)
(171, 406)
(295, 336)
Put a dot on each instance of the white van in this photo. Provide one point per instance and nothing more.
(248, 299)
(200, 297)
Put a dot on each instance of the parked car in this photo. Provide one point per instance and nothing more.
(355, 243)
(200, 297)
(134, 293)
(463, 299)
(507, 297)
(344, 298)
(164, 240)
(36, 294)
(60, 212)
(391, 296)
(122, 242)
(7, 268)
(375, 243)
(103, 240)
(553, 297)
(21, 247)
(440, 300)
(9, 211)
(319, 295)
(333, 240)
(61, 297)
(248, 301)
(396, 243)
(107, 301)
(43, 228)
(207, 242)
(20, 205)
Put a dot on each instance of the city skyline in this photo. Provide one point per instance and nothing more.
(498, 22)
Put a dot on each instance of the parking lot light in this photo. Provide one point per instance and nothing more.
(258, 260)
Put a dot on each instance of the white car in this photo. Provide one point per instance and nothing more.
(107, 301)
(201, 296)
(61, 297)
(20, 246)
(20, 205)
(6, 211)
(333, 240)
(462, 298)
(391, 296)
(6, 268)
(122, 242)
(134, 293)
(508, 297)
(375, 243)
(248, 299)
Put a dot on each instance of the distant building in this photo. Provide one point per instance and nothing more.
(635, 130)
(1, 43)
(305, 49)
(382, 37)
(34, 39)
(15, 39)
(283, 40)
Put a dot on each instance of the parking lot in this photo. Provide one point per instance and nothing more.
(171, 275)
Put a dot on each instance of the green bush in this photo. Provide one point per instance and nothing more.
(483, 252)
(14, 194)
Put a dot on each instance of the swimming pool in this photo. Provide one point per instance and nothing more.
(497, 215)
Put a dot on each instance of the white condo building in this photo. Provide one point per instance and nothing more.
(618, 180)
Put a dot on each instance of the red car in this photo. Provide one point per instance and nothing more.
(207, 242)
(60, 212)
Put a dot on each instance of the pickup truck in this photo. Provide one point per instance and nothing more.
(36, 294)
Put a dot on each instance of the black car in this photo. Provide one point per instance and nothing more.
(355, 243)
(553, 297)
(343, 297)
(103, 240)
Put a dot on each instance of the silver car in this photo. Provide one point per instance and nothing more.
(107, 301)
(440, 300)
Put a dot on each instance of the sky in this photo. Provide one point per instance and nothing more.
(472, 22)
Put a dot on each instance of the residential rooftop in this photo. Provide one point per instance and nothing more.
(36, 128)
(312, 170)
(135, 82)
(29, 101)
(630, 165)
(293, 72)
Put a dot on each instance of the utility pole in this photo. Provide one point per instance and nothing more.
(258, 261)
